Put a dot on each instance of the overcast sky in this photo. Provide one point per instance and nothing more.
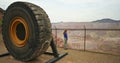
(76, 10)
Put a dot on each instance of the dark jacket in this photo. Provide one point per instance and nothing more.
(65, 35)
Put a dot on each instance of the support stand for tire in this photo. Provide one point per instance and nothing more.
(4, 54)
(54, 53)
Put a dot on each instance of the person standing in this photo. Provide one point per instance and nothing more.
(65, 39)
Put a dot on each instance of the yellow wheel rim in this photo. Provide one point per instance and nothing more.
(19, 31)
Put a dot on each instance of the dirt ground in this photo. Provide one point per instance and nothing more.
(73, 56)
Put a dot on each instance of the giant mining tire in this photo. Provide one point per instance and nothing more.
(26, 30)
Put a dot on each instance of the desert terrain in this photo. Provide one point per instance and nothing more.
(74, 56)
(100, 47)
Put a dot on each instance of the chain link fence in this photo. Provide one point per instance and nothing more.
(94, 39)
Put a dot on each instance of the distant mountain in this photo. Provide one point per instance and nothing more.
(98, 24)
(107, 20)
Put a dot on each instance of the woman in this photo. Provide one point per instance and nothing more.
(65, 39)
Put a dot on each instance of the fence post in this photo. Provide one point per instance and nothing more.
(56, 35)
(84, 38)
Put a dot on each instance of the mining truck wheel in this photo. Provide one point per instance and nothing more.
(26, 30)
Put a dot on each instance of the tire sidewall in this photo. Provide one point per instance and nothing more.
(29, 48)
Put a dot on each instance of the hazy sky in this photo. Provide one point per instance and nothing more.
(76, 10)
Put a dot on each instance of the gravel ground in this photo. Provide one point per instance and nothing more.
(73, 56)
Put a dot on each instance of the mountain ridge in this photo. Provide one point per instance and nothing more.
(107, 20)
